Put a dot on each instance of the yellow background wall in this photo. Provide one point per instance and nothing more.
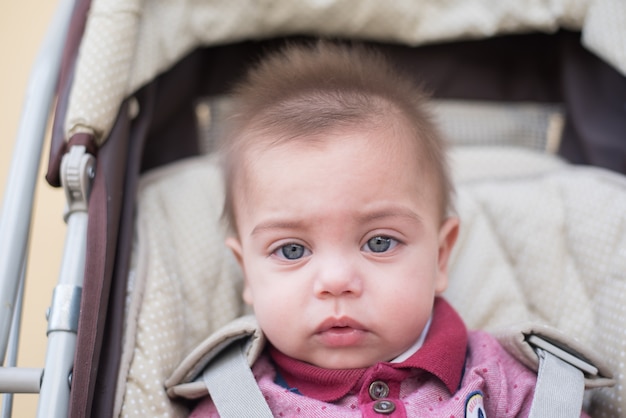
(23, 24)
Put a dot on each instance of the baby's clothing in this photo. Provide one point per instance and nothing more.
(454, 373)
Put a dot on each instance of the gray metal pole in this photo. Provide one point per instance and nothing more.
(11, 360)
(77, 173)
(18, 201)
(20, 380)
(63, 321)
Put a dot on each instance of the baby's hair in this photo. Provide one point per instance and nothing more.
(304, 91)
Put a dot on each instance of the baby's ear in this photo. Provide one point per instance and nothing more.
(235, 246)
(448, 234)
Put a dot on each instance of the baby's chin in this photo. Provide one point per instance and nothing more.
(346, 360)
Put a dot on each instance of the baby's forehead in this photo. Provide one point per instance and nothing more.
(336, 168)
(392, 133)
(389, 141)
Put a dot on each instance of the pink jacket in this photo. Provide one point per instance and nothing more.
(454, 374)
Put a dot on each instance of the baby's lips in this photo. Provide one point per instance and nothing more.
(340, 322)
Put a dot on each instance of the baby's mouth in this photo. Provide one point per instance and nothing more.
(340, 332)
(342, 323)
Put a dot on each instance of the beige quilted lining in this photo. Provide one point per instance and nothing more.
(540, 241)
(184, 281)
(128, 42)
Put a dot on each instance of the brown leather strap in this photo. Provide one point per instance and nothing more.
(105, 204)
(86, 140)
(58, 145)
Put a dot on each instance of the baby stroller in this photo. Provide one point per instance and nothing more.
(140, 86)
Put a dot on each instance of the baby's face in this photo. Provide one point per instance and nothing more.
(343, 247)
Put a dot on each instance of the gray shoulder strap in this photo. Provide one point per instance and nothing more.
(560, 388)
(232, 385)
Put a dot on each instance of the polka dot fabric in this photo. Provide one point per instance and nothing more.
(186, 283)
(104, 67)
(540, 241)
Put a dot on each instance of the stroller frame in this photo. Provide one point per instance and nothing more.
(14, 232)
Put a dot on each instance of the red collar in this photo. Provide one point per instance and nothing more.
(442, 355)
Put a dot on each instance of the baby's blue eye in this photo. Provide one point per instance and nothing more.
(292, 251)
(380, 244)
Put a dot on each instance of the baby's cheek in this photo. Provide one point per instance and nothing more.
(247, 295)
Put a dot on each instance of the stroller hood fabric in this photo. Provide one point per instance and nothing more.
(127, 43)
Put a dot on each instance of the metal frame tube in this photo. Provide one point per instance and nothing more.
(22, 179)
(55, 386)
(20, 379)
(11, 360)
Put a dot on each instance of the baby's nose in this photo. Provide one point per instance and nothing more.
(337, 276)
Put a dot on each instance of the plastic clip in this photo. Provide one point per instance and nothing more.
(538, 342)
(77, 173)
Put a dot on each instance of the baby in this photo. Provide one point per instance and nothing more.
(339, 201)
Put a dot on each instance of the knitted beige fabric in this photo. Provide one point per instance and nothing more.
(541, 241)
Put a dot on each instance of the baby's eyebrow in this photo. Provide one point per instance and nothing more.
(360, 217)
(389, 213)
(278, 224)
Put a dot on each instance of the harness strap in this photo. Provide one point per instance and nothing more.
(559, 390)
(232, 385)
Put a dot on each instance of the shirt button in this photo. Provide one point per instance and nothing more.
(378, 390)
(384, 407)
